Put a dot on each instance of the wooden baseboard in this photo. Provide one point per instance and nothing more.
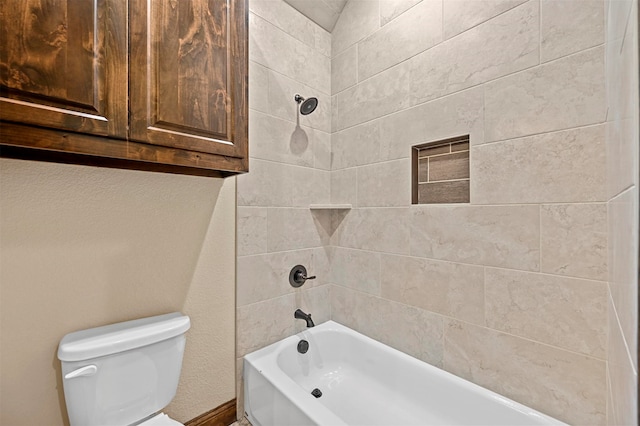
(223, 415)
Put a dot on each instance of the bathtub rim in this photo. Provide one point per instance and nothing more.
(276, 376)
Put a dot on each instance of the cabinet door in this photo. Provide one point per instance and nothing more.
(188, 75)
(63, 64)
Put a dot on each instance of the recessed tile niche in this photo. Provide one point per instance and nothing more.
(441, 171)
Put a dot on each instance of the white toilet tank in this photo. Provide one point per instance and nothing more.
(122, 373)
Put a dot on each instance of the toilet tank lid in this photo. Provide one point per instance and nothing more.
(110, 339)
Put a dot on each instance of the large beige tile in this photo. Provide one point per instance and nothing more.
(286, 18)
(356, 269)
(344, 186)
(406, 328)
(310, 186)
(621, 61)
(279, 51)
(416, 30)
(324, 13)
(380, 95)
(622, 154)
(610, 413)
(356, 146)
(320, 266)
(385, 184)
(623, 375)
(498, 47)
(334, 113)
(391, 9)
(260, 324)
(315, 301)
(376, 229)
(321, 147)
(451, 289)
(268, 184)
(461, 15)
(266, 276)
(323, 41)
(560, 167)
(251, 230)
(562, 384)
(455, 115)
(617, 17)
(568, 313)
(569, 26)
(296, 228)
(623, 261)
(622, 101)
(239, 392)
(573, 240)
(282, 92)
(358, 19)
(502, 236)
(280, 140)
(344, 70)
(558, 95)
(258, 87)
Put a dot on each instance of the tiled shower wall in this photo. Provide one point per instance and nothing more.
(290, 161)
(510, 290)
(622, 137)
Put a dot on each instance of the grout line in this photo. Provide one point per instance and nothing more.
(315, 49)
(438, 44)
(302, 126)
(537, 342)
(290, 164)
(466, 88)
(493, 330)
(477, 265)
(549, 132)
(444, 181)
(621, 331)
(626, 28)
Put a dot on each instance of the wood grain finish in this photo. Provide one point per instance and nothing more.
(63, 64)
(191, 76)
(223, 415)
(33, 143)
(171, 98)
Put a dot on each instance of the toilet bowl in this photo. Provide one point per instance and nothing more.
(124, 373)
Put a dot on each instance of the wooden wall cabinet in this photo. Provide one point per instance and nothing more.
(152, 85)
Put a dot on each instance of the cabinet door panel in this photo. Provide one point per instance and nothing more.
(189, 74)
(63, 64)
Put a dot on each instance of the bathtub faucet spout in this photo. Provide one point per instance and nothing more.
(298, 314)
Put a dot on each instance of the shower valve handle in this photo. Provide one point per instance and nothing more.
(303, 277)
(298, 276)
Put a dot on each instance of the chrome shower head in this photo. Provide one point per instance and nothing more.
(308, 105)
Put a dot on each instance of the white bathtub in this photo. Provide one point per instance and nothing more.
(365, 382)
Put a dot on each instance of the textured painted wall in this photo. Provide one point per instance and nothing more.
(621, 58)
(509, 291)
(82, 247)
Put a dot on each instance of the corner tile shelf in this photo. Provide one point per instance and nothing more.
(330, 207)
